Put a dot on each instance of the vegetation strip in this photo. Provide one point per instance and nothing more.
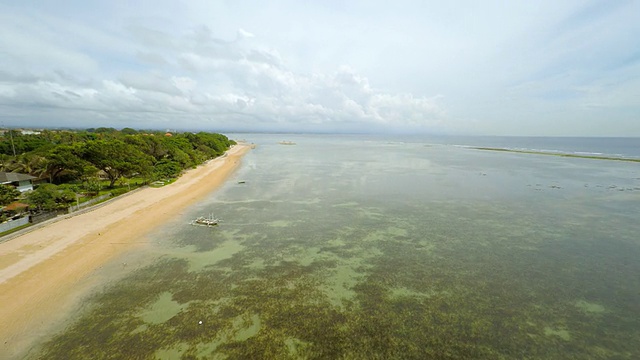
(72, 169)
(559, 154)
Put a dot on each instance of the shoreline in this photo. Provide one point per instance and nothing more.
(44, 272)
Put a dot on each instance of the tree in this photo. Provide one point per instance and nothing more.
(116, 158)
(90, 179)
(16, 143)
(5, 162)
(105, 130)
(64, 160)
(154, 146)
(218, 142)
(43, 198)
(129, 131)
(49, 197)
(8, 194)
(28, 163)
(166, 169)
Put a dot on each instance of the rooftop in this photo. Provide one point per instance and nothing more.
(9, 177)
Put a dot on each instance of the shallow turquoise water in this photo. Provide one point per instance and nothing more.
(356, 247)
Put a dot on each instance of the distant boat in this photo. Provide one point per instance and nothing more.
(206, 221)
(284, 142)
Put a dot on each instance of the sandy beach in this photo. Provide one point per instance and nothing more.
(43, 271)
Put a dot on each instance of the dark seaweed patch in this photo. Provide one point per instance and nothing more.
(444, 287)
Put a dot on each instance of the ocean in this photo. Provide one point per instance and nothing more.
(364, 247)
(599, 146)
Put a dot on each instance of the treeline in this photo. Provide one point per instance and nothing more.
(85, 157)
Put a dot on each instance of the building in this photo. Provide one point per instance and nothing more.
(22, 182)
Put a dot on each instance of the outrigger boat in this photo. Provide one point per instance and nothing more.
(206, 221)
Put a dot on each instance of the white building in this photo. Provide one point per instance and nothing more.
(22, 182)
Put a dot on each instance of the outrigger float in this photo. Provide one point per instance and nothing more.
(206, 221)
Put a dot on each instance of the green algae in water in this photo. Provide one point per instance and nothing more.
(338, 286)
(392, 304)
(404, 292)
(279, 223)
(561, 333)
(162, 309)
(171, 354)
(199, 260)
(590, 308)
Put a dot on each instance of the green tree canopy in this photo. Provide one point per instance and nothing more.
(28, 163)
(49, 197)
(65, 160)
(129, 131)
(166, 169)
(116, 158)
(21, 143)
(8, 194)
(70, 155)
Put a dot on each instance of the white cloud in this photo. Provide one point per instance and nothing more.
(242, 33)
(491, 67)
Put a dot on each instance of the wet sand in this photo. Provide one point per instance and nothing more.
(44, 272)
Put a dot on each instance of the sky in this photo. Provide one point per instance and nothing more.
(528, 68)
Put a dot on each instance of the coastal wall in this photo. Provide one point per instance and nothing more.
(86, 204)
(6, 226)
(36, 219)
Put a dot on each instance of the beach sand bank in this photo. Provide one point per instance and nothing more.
(44, 272)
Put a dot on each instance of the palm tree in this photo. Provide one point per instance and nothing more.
(5, 162)
(32, 164)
